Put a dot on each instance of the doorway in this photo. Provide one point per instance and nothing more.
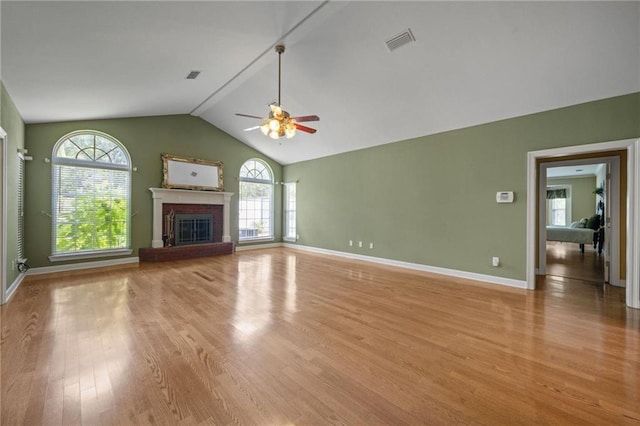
(575, 206)
(3, 217)
(579, 218)
(628, 245)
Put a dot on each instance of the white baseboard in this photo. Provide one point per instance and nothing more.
(14, 286)
(509, 282)
(257, 246)
(83, 265)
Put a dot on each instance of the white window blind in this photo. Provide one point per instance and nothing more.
(290, 211)
(559, 205)
(91, 194)
(20, 196)
(255, 206)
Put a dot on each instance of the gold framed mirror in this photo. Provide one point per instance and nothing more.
(191, 173)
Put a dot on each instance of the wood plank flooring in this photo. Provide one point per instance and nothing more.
(566, 260)
(281, 336)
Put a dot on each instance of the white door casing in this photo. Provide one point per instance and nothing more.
(3, 216)
(632, 146)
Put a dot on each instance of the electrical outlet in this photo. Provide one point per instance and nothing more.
(495, 261)
(370, 245)
(297, 237)
(359, 243)
(350, 243)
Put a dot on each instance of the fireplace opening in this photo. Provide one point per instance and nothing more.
(193, 229)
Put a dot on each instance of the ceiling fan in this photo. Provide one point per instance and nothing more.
(279, 123)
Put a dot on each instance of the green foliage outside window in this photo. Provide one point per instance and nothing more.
(91, 180)
(94, 223)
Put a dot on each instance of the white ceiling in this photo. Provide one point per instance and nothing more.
(472, 63)
(574, 171)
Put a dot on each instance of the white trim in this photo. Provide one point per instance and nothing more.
(62, 257)
(3, 217)
(633, 225)
(257, 246)
(633, 215)
(14, 286)
(490, 279)
(84, 265)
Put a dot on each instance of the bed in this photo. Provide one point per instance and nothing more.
(580, 236)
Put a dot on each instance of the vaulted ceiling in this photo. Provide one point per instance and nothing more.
(471, 63)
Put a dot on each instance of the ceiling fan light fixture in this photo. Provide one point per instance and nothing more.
(274, 125)
(290, 129)
(265, 129)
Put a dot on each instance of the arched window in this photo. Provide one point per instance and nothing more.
(91, 195)
(256, 201)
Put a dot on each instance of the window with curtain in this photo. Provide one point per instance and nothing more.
(255, 207)
(558, 206)
(91, 195)
(290, 211)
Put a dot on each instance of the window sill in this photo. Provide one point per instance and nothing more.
(89, 255)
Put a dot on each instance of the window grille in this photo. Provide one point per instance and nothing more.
(90, 194)
(255, 209)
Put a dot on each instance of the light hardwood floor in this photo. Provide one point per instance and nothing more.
(281, 336)
(566, 260)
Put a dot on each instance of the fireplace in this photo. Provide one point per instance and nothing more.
(203, 228)
(185, 201)
(193, 229)
(183, 221)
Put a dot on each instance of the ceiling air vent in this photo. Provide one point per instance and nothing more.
(400, 40)
(192, 75)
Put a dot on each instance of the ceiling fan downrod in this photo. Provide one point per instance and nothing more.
(280, 51)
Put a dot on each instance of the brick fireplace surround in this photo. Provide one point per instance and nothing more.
(188, 201)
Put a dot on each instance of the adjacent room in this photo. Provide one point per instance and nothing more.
(319, 212)
(575, 222)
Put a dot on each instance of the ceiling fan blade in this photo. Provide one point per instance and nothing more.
(306, 118)
(251, 128)
(249, 116)
(305, 128)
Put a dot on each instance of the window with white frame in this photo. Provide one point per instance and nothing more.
(20, 200)
(559, 205)
(290, 211)
(91, 195)
(255, 209)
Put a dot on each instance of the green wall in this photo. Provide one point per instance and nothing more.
(431, 200)
(11, 122)
(145, 138)
(583, 200)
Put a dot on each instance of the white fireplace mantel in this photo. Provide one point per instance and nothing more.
(187, 196)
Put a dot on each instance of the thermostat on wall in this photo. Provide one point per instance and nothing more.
(504, 197)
